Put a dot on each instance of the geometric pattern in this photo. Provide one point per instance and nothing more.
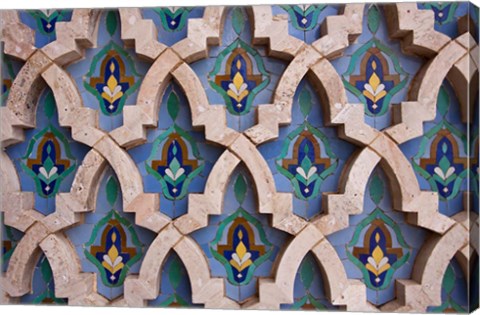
(112, 256)
(307, 168)
(265, 157)
(376, 256)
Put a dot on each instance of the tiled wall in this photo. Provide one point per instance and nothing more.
(268, 157)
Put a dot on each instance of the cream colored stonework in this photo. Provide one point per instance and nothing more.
(454, 59)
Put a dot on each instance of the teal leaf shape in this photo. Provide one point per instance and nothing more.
(112, 191)
(173, 105)
(444, 148)
(175, 273)
(46, 270)
(377, 189)
(240, 189)
(112, 22)
(238, 22)
(307, 273)
(49, 106)
(449, 280)
(305, 100)
(373, 19)
(174, 165)
(443, 101)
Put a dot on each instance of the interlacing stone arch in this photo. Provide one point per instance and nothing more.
(260, 157)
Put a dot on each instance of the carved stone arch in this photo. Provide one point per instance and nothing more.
(202, 33)
(69, 206)
(379, 147)
(146, 285)
(70, 282)
(73, 37)
(425, 287)
(205, 289)
(18, 39)
(140, 34)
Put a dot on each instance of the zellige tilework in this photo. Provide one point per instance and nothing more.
(299, 157)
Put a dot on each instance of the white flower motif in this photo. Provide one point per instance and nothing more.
(310, 173)
(374, 92)
(239, 91)
(113, 264)
(48, 175)
(47, 12)
(443, 175)
(113, 92)
(177, 174)
(244, 259)
(380, 264)
(173, 9)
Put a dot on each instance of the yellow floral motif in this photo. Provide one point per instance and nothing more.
(374, 89)
(377, 263)
(113, 261)
(238, 88)
(241, 258)
(113, 91)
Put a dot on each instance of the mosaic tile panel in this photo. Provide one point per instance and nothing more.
(297, 157)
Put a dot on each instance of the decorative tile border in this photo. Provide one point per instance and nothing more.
(448, 58)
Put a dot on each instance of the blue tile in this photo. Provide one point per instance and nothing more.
(167, 207)
(314, 207)
(80, 234)
(404, 272)
(339, 238)
(88, 266)
(151, 184)
(353, 272)
(232, 291)
(386, 294)
(271, 150)
(180, 206)
(248, 290)
(372, 296)
(249, 120)
(341, 252)
(282, 183)
(205, 235)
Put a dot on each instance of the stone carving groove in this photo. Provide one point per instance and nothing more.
(445, 58)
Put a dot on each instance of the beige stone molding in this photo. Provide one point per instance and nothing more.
(23, 97)
(70, 282)
(140, 33)
(414, 27)
(74, 36)
(279, 113)
(202, 33)
(19, 275)
(352, 189)
(18, 39)
(463, 76)
(273, 31)
(399, 170)
(337, 32)
(341, 30)
(72, 113)
(136, 118)
(211, 201)
(146, 286)
(425, 287)
(421, 106)
(17, 206)
(452, 59)
(38, 72)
